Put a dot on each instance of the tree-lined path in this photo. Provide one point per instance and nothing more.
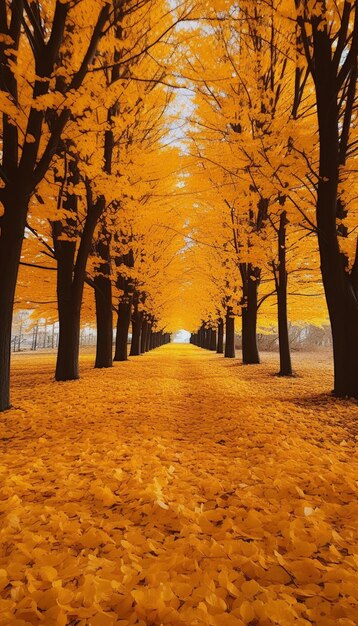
(178, 488)
(174, 168)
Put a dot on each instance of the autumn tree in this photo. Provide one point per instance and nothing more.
(329, 41)
(34, 114)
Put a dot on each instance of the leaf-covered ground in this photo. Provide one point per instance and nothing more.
(178, 489)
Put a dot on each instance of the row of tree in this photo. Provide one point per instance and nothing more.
(272, 160)
(85, 157)
(174, 164)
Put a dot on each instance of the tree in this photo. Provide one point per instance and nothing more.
(35, 112)
(329, 41)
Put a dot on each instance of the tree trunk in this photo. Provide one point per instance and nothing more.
(143, 339)
(213, 339)
(230, 334)
(341, 300)
(341, 287)
(123, 322)
(11, 238)
(220, 343)
(200, 337)
(136, 332)
(103, 299)
(70, 283)
(149, 336)
(69, 309)
(250, 353)
(281, 287)
(67, 366)
(334, 112)
(34, 337)
(104, 320)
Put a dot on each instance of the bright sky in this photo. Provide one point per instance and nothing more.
(182, 336)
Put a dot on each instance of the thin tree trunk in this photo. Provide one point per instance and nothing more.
(213, 339)
(220, 343)
(136, 332)
(229, 334)
(123, 322)
(34, 337)
(103, 299)
(11, 238)
(202, 337)
(149, 336)
(281, 287)
(143, 339)
(44, 336)
(250, 353)
(20, 333)
(104, 320)
(69, 307)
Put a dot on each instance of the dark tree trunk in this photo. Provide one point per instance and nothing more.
(70, 283)
(148, 336)
(229, 334)
(200, 337)
(123, 322)
(335, 79)
(341, 287)
(143, 339)
(250, 353)
(342, 301)
(203, 337)
(281, 287)
(136, 332)
(104, 320)
(213, 339)
(11, 238)
(103, 300)
(69, 310)
(220, 343)
(67, 366)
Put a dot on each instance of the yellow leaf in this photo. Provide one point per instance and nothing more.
(250, 588)
(247, 612)
(331, 591)
(48, 573)
(215, 601)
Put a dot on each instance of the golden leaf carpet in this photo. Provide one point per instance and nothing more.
(180, 489)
